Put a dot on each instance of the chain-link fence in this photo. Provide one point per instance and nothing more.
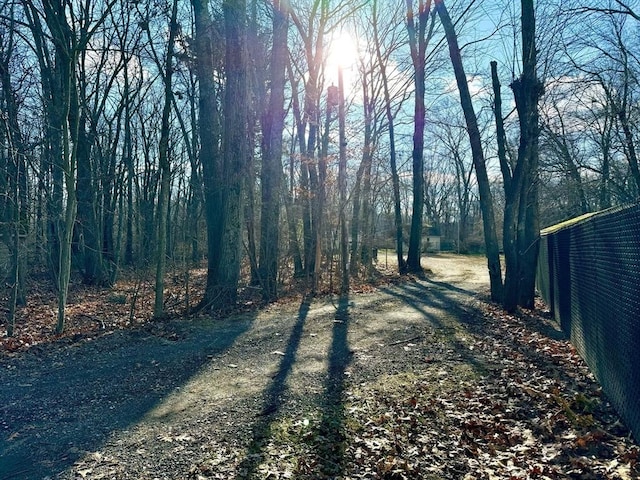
(589, 275)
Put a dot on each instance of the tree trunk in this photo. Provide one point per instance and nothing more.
(292, 224)
(13, 184)
(271, 179)
(51, 74)
(512, 183)
(165, 168)
(397, 208)
(61, 79)
(69, 169)
(475, 139)
(128, 160)
(356, 200)
(342, 187)
(362, 188)
(527, 91)
(12, 189)
(88, 230)
(418, 43)
(209, 130)
(235, 151)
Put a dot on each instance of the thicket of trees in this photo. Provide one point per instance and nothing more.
(137, 133)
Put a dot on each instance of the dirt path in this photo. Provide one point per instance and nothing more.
(262, 395)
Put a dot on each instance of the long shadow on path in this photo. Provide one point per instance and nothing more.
(329, 441)
(273, 395)
(331, 448)
(433, 303)
(62, 402)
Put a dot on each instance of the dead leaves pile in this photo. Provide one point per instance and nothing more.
(522, 406)
(93, 311)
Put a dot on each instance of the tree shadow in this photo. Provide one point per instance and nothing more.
(328, 439)
(420, 297)
(63, 401)
(273, 396)
(331, 436)
(450, 287)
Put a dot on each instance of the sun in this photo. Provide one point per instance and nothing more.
(342, 53)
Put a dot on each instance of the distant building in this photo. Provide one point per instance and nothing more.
(433, 239)
(433, 243)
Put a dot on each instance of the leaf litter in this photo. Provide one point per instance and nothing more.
(534, 412)
(480, 395)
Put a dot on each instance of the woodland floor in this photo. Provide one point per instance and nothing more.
(420, 378)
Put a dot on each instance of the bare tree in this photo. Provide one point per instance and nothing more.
(209, 132)
(475, 139)
(272, 130)
(521, 219)
(382, 60)
(165, 66)
(234, 152)
(419, 36)
(14, 223)
(71, 29)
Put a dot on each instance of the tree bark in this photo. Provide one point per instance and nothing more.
(395, 179)
(209, 131)
(271, 179)
(13, 182)
(87, 226)
(165, 168)
(342, 187)
(527, 89)
(235, 152)
(475, 139)
(361, 190)
(418, 43)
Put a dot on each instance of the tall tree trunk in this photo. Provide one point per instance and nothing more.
(304, 198)
(342, 186)
(195, 200)
(13, 183)
(12, 189)
(527, 91)
(292, 224)
(512, 182)
(129, 166)
(475, 139)
(418, 43)
(294, 244)
(360, 191)
(51, 72)
(356, 215)
(87, 227)
(235, 151)
(397, 205)
(61, 78)
(111, 192)
(165, 167)
(209, 130)
(366, 250)
(271, 180)
(69, 169)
